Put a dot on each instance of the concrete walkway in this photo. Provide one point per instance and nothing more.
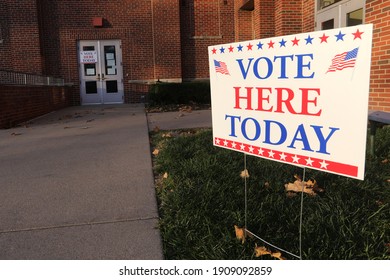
(176, 120)
(78, 184)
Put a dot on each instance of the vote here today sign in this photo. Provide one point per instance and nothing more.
(298, 99)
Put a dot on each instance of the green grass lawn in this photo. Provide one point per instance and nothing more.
(201, 199)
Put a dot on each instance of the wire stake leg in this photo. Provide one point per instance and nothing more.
(301, 214)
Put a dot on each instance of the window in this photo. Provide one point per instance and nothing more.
(355, 17)
(89, 68)
(329, 24)
(325, 3)
(339, 13)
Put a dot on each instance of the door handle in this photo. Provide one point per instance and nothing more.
(103, 77)
(98, 77)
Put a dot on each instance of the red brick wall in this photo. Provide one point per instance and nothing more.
(378, 13)
(197, 33)
(269, 18)
(243, 25)
(139, 93)
(288, 17)
(149, 32)
(167, 49)
(308, 15)
(264, 18)
(164, 39)
(22, 103)
(20, 50)
(5, 45)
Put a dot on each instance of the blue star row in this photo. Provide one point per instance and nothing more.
(283, 43)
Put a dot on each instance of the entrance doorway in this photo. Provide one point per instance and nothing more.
(339, 13)
(101, 75)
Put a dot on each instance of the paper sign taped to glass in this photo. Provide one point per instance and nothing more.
(88, 57)
(299, 99)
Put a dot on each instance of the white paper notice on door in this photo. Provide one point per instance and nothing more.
(111, 62)
(88, 57)
(91, 71)
(111, 71)
(110, 56)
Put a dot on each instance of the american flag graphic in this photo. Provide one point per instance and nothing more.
(221, 67)
(343, 60)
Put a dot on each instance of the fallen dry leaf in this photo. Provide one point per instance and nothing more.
(156, 129)
(297, 177)
(317, 189)
(65, 117)
(299, 186)
(187, 109)
(379, 202)
(16, 133)
(310, 187)
(277, 255)
(244, 173)
(165, 176)
(311, 183)
(240, 233)
(155, 152)
(166, 135)
(261, 251)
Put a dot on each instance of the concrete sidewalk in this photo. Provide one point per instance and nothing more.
(178, 120)
(78, 184)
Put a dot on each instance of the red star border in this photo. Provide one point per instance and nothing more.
(295, 159)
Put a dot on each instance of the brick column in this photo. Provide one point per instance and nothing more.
(166, 39)
(264, 18)
(243, 22)
(378, 13)
(308, 15)
(288, 17)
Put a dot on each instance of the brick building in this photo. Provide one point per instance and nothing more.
(110, 51)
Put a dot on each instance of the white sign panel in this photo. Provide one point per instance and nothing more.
(299, 99)
(88, 57)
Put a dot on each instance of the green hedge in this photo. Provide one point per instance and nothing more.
(180, 93)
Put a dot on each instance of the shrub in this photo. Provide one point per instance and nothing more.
(179, 93)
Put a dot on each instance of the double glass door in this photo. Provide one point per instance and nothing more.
(101, 77)
(339, 13)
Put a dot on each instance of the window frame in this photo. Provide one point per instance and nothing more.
(337, 11)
